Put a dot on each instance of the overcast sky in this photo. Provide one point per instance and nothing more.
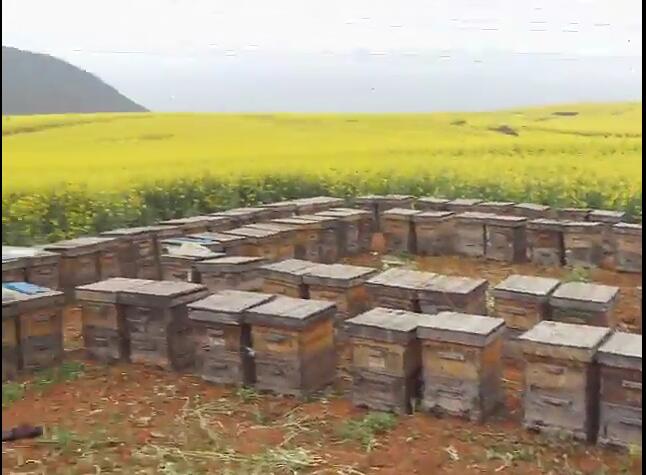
(182, 45)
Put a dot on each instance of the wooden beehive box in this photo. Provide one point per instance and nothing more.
(573, 214)
(506, 238)
(627, 244)
(545, 244)
(607, 220)
(265, 243)
(179, 263)
(293, 343)
(386, 359)
(561, 392)
(307, 237)
(584, 303)
(14, 268)
(41, 267)
(286, 278)
(496, 207)
(641, 310)
(105, 335)
(399, 230)
(230, 244)
(521, 301)
(139, 255)
(230, 272)
(583, 243)
(532, 211)
(317, 204)
(462, 205)
(470, 234)
(286, 237)
(191, 224)
(158, 325)
(434, 232)
(430, 203)
(281, 209)
(456, 294)
(398, 288)
(377, 204)
(222, 336)
(606, 216)
(461, 364)
(242, 216)
(355, 227)
(620, 415)
(39, 325)
(330, 237)
(10, 348)
(168, 246)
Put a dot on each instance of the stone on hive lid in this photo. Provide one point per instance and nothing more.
(403, 278)
(338, 275)
(290, 312)
(622, 350)
(385, 324)
(163, 294)
(460, 328)
(583, 292)
(527, 285)
(226, 306)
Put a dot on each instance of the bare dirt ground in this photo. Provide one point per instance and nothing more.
(136, 420)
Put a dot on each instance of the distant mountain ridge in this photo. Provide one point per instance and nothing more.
(34, 83)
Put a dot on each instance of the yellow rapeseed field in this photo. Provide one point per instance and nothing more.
(87, 172)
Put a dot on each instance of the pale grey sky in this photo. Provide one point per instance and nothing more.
(183, 44)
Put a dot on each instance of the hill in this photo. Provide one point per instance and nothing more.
(35, 83)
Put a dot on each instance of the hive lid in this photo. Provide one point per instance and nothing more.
(461, 328)
(292, 267)
(569, 224)
(464, 202)
(585, 292)
(229, 264)
(547, 337)
(454, 284)
(622, 350)
(628, 228)
(290, 312)
(529, 285)
(281, 205)
(401, 212)
(80, 245)
(606, 216)
(190, 220)
(108, 290)
(13, 252)
(240, 212)
(502, 220)
(136, 231)
(545, 223)
(226, 306)
(218, 237)
(497, 204)
(402, 278)
(385, 324)
(532, 207)
(163, 293)
(345, 213)
(191, 253)
(320, 219)
(253, 233)
(432, 200)
(475, 216)
(29, 296)
(338, 275)
(281, 228)
(433, 215)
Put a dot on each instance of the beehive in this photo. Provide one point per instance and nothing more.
(293, 343)
(430, 203)
(39, 325)
(265, 243)
(192, 224)
(434, 232)
(606, 216)
(158, 325)
(231, 272)
(627, 244)
(139, 255)
(620, 415)
(355, 227)
(222, 337)
(545, 244)
(461, 364)
(41, 267)
(10, 350)
(386, 359)
(307, 237)
(179, 264)
(506, 238)
(532, 211)
(230, 244)
(583, 243)
(457, 294)
(286, 278)
(496, 207)
(242, 216)
(168, 246)
(398, 288)
(105, 335)
(522, 301)
(607, 220)
(470, 235)
(462, 205)
(399, 230)
(377, 204)
(573, 214)
(317, 204)
(281, 209)
(561, 393)
(286, 236)
(14, 268)
(330, 237)
(584, 303)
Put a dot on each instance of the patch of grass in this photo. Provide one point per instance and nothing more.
(366, 430)
(68, 371)
(247, 395)
(12, 392)
(578, 274)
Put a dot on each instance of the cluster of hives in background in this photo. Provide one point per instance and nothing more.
(257, 297)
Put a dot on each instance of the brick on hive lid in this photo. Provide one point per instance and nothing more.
(453, 293)
(461, 205)
(496, 207)
(286, 277)
(398, 288)
(627, 244)
(506, 238)
(294, 345)
(434, 232)
(573, 214)
(532, 210)
(584, 303)
(431, 203)
(231, 272)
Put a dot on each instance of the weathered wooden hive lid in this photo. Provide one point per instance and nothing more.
(190, 254)
(475, 217)
(397, 197)
(532, 207)
(281, 205)
(345, 213)
(432, 200)
(454, 284)
(162, 231)
(578, 294)
(429, 216)
(461, 328)
(32, 297)
(326, 200)
(497, 204)
(507, 221)
(13, 262)
(219, 237)
(219, 220)
(564, 340)
(163, 294)
(338, 275)
(226, 306)
(280, 228)
(582, 226)
(187, 221)
(385, 324)
(568, 212)
(108, 290)
(402, 279)
(606, 216)
(545, 224)
(228, 264)
(628, 228)
(289, 312)
(33, 255)
(367, 199)
(246, 212)
(130, 232)
(293, 268)
(322, 220)
(526, 285)
(405, 214)
(81, 245)
(622, 350)
(464, 202)
(254, 234)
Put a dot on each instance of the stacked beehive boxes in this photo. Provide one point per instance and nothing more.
(293, 342)
(286, 235)
(627, 246)
(355, 227)
(229, 244)
(31, 264)
(561, 393)
(329, 231)
(158, 325)
(607, 220)
(230, 272)
(399, 230)
(286, 278)
(584, 303)
(457, 294)
(222, 336)
(179, 264)
(470, 236)
(265, 243)
(620, 360)
(398, 288)
(583, 243)
(545, 245)
(10, 351)
(377, 204)
(434, 232)
(506, 238)
(522, 301)
(385, 359)
(461, 364)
